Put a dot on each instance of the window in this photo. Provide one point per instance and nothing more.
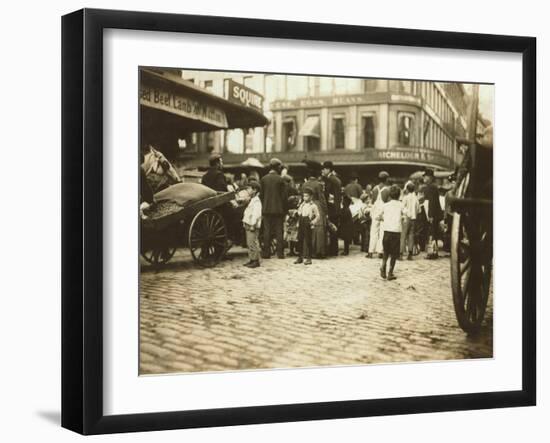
(426, 130)
(289, 134)
(208, 84)
(338, 133)
(311, 132)
(312, 144)
(406, 129)
(367, 125)
(370, 85)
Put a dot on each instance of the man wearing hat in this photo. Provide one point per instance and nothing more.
(214, 177)
(333, 195)
(380, 195)
(274, 199)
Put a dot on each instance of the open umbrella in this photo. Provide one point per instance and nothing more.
(438, 174)
(252, 162)
(416, 175)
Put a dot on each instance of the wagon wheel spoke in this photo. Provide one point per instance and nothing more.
(197, 232)
(210, 222)
(465, 284)
(465, 266)
(474, 294)
(195, 239)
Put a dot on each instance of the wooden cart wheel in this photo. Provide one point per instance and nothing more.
(471, 264)
(207, 238)
(159, 256)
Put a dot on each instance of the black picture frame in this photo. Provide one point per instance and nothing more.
(82, 216)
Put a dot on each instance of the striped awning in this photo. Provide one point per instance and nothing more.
(311, 127)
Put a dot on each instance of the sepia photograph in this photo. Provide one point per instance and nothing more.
(298, 221)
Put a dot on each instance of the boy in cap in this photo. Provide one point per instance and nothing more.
(390, 217)
(252, 220)
(309, 218)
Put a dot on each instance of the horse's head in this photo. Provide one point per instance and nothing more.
(155, 162)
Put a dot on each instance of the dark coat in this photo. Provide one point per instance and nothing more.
(431, 193)
(214, 179)
(273, 194)
(346, 229)
(333, 186)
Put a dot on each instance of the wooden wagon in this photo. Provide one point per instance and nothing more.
(199, 226)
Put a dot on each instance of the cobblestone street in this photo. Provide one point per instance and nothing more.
(336, 312)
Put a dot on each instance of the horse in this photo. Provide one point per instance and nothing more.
(159, 171)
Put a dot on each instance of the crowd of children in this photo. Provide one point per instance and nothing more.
(386, 220)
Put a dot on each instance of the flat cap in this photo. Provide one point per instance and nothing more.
(328, 164)
(275, 162)
(383, 175)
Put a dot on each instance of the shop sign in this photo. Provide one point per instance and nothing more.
(408, 156)
(183, 106)
(245, 96)
(343, 100)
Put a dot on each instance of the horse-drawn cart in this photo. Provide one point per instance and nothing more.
(199, 226)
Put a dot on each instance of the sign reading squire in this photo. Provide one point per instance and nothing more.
(245, 96)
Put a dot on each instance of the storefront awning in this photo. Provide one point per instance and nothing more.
(311, 128)
(175, 104)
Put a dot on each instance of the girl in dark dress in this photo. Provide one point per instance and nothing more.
(345, 232)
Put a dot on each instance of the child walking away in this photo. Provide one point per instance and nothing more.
(252, 220)
(391, 225)
(309, 218)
